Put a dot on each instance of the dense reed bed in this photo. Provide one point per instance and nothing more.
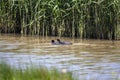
(97, 19)
(42, 73)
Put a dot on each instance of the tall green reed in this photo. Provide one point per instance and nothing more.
(72, 18)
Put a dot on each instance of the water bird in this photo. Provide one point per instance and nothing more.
(63, 43)
(54, 43)
(59, 42)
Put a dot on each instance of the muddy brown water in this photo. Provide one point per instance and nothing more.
(86, 59)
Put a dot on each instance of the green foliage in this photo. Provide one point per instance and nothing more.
(72, 18)
(42, 73)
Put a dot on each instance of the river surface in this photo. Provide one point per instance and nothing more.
(86, 59)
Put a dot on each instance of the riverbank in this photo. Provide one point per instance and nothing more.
(9, 73)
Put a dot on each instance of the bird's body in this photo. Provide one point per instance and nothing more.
(64, 43)
(54, 43)
(60, 42)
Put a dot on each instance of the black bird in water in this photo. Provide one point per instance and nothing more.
(59, 42)
(64, 43)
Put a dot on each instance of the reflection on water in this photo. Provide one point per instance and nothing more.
(87, 59)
